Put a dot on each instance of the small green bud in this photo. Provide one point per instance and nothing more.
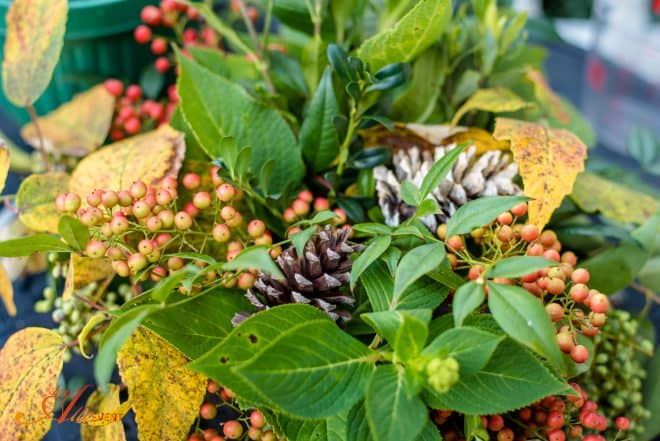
(442, 373)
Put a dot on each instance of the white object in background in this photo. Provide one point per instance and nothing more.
(532, 7)
(629, 14)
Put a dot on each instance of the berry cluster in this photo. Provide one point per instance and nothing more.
(570, 304)
(555, 418)
(134, 113)
(144, 229)
(304, 204)
(615, 378)
(224, 420)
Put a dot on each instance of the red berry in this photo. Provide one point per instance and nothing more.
(505, 233)
(455, 243)
(580, 354)
(208, 411)
(150, 15)
(622, 423)
(168, 5)
(191, 209)
(569, 257)
(555, 286)
(167, 218)
(232, 429)
(192, 13)
(221, 233)
(529, 233)
(159, 46)
(213, 387)
(599, 303)
(579, 292)
(246, 281)
(555, 311)
(257, 419)
(256, 228)
(162, 64)
(146, 246)
(95, 249)
(228, 212)
(306, 196)
(552, 255)
(555, 420)
(175, 263)
(557, 435)
(114, 87)
(289, 215)
(321, 204)
(190, 36)
(195, 437)
(141, 209)
(253, 433)
(163, 197)
(235, 221)
(252, 13)
(136, 262)
(593, 437)
(505, 218)
(142, 34)
(202, 200)
(300, 207)
(134, 92)
(580, 275)
(548, 238)
(475, 272)
(520, 209)
(495, 423)
(121, 268)
(341, 218)
(71, 202)
(505, 434)
(210, 433)
(138, 189)
(226, 192)
(565, 342)
(183, 220)
(158, 273)
(191, 181)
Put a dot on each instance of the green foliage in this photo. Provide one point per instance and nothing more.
(517, 266)
(26, 246)
(471, 347)
(467, 298)
(415, 264)
(73, 232)
(480, 212)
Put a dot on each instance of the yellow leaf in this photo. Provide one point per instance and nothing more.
(84, 270)
(404, 136)
(550, 100)
(614, 201)
(102, 405)
(77, 127)
(7, 292)
(482, 139)
(548, 161)
(491, 100)
(31, 362)
(164, 393)
(36, 200)
(34, 37)
(149, 157)
(4, 164)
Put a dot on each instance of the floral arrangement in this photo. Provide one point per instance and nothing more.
(338, 220)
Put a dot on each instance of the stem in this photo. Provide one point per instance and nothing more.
(42, 142)
(262, 65)
(343, 149)
(267, 24)
(317, 19)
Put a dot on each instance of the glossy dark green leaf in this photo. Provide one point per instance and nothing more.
(371, 157)
(471, 347)
(339, 61)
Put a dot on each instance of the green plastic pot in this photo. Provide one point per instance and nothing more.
(98, 44)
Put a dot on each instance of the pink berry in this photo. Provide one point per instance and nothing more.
(138, 189)
(121, 268)
(162, 64)
(109, 199)
(136, 262)
(114, 87)
(599, 303)
(95, 249)
(579, 354)
(208, 411)
(183, 220)
(227, 212)
(141, 209)
(191, 181)
(133, 126)
(146, 246)
(257, 419)
(163, 197)
(119, 225)
(226, 192)
(580, 275)
(134, 92)
(94, 198)
(221, 233)
(555, 311)
(142, 34)
(321, 204)
(300, 207)
(289, 216)
(191, 209)
(150, 15)
(167, 218)
(72, 202)
(306, 196)
(159, 46)
(256, 228)
(202, 200)
(175, 263)
(622, 423)
(232, 429)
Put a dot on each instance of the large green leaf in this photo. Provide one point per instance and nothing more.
(523, 317)
(652, 397)
(393, 414)
(375, 249)
(26, 246)
(471, 347)
(415, 264)
(295, 429)
(480, 212)
(202, 321)
(411, 335)
(517, 266)
(467, 298)
(614, 268)
(216, 108)
(415, 32)
(318, 134)
(511, 379)
(74, 232)
(310, 370)
(357, 425)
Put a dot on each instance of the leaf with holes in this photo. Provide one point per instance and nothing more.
(165, 395)
(30, 57)
(149, 157)
(76, 128)
(32, 361)
(36, 200)
(548, 159)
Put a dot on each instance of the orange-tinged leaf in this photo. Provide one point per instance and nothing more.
(164, 393)
(614, 201)
(84, 270)
(4, 164)
(101, 405)
(404, 136)
(77, 127)
(7, 292)
(548, 161)
(36, 200)
(148, 157)
(34, 37)
(31, 362)
(494, 100)
(482, 139)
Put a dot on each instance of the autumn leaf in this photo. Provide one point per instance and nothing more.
(31, 362)
(614, 201)
(7, 292)
(547, 96)
(84, 270)
(97, 404)
(482, 139)
(148, 157)
(164, 393)
(404, 136)
(548, 161)
(34, 38)
(4, 164)
(36, 200)
(77, 127)
(494, 100)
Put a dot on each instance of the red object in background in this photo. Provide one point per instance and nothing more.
(655, 7)
(596, 74)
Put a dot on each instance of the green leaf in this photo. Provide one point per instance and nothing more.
(232, 66)
(415, 264)
(471, 347)
(324, 372)
(287, 75)
(517, 266)
(202, 321)
(114, 338)
(494, 100)
(375, 249)
(642, 145)
(357, 425)
(296, 429)
(151, 82)
(392, 415)
(426, 208)
(379, 285)
(411, 335)
(467, 298)
(480, 212)
(467, 84)
(168, 285)
(649, 275)
(216, 108)
(37, 243)
(474, 428)
(423, 293)
(74, 232)
(253, 335)
(256, 257)
(513, 29)
(300, 239)
(409, 193)
(523, 317)
(430, 432)
(438, 172)
(412, 35)
(615, 268)
(319, 218)
(512, 378)
(226, 31)
(651, 393)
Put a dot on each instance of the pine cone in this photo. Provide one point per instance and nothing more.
(472, 177)
(319, 277)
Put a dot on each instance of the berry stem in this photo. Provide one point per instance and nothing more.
(261, 63)
(42, 142)
(343, 149)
